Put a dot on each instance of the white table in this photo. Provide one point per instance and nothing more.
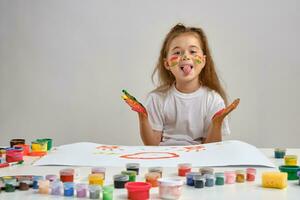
(244, 191)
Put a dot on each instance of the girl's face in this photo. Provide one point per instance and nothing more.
(185, 58)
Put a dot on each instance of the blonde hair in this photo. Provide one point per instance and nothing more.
(208, 76)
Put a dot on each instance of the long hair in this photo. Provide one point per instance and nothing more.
(208, 76)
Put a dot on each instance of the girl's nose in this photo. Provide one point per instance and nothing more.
(185, 57)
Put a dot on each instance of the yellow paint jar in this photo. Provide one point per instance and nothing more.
(38, 146)
(290, 160)
(96, 179)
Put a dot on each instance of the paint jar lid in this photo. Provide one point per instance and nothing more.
(121, 177)
(184, 165)
(240, 171)
(152, 175)
(51, 177)
(155, 169)
(251, 171)
(81, 186)
(170, 182)
(94, 188)
(288, 168)
(137, 186)
(68, 185)
(290, 157)
(129, 173)
(219, 174)
(199, 178)
(206, 170)
(96, 170)
(67, 172)
(56, 184)
(280, 149)
(132, 165)
(108, 188)
(192, 174)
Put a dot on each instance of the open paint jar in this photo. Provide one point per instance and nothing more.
(170, 188)
(66, 175)
(133, 167)
(138, 190)
(240, 176)
(229, 177)
(279, 152)
(291, 171)
(184, 168)
(251, 172)
(290, 160)
(120, 180)
(152, 178)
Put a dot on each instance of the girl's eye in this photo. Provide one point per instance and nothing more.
(193, 52)
(176, 53)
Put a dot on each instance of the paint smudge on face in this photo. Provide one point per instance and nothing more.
(197, 60)
(174, 60)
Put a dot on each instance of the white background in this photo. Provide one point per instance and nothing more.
(64, 63)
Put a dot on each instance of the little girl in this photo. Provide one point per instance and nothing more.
(188, 106)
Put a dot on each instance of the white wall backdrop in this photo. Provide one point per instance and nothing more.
(63, 64)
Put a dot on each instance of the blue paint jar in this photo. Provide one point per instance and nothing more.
(68, 189)
(279, 153)
(209, 180)
(199, 181)
(35, 180)
(190, 178)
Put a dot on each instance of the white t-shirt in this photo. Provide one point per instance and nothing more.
(184, 117)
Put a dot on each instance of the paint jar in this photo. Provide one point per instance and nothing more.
(131, 174)
(184, 168)
(170, 188)
(16, 141)
(51, 177)
(14, 155)
(229, 177)
(24, 185)
(251, 172)
(206, 170)
(67, 175)
(25, 148)
(220, 178)
(209, 180)
(99, 170)
(190, 178)
(81, 190)
(10, 183)
(56, 187)
(240, 176)
(96, 179)
(68, 189)
(9, 187)
(290, 160)
(156, 169)
(298, 174)
(120, 180)
(133, 167)
(48, 141)
(138, 190)
(107, 192)
(279, 152)
(199, 181)
(38, 146)
(44, 186)
(35, 180)
(152, 178)
(290, 170)
(94, 191)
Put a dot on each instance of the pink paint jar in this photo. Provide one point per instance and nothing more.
(170, 188)
(14, 155)
(229, 177)
(184, 168)
(138, 190)
(251, 172)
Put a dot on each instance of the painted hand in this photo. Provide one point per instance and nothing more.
(218, 118)
(134, 104)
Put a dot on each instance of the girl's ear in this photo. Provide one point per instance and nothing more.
(166, 64)
(204, 60)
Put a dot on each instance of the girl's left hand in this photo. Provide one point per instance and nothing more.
(221, 114)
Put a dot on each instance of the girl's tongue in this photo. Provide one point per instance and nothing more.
(187, 69)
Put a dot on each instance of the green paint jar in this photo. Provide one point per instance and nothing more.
(108, 192)
(131, 174)
(220, 179)
(291, 171)
(49, 142)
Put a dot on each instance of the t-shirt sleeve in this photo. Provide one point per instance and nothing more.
(154, 106)
(215, 103)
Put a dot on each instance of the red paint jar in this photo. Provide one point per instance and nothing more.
(14, 155)
(184, 168)
(67, 175)
(138, 190)
(25, 147)
(251, 174)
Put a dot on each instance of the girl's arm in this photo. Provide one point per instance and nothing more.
(214, 131)
(149, 136)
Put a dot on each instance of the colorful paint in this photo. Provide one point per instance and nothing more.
(190, 178)
(133, 167)
(184, 168)
(220, 178)
(16, 141)
(120, 180)
(44, 186)
(94, 191)
(279, 153)
(199, 181)
(156, 169)
(56, 187)
(291, 170)
(107, 192)
(68, 189)
(138, 190)
(133, 103)
(290, 160)
(251, 172)
(99, 170)
(170, 188)
(96, 179)
(209, 180)
(230, 177)
(81, 190)
(240, 176)
(152, 178)
(67, 175)
(131, 174)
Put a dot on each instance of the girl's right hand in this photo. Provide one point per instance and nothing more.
(135, 105)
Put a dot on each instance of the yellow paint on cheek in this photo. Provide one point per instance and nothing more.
(174, 63)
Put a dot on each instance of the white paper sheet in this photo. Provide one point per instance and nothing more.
(226, 153)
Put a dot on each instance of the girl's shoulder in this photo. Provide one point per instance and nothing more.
(212, 95)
